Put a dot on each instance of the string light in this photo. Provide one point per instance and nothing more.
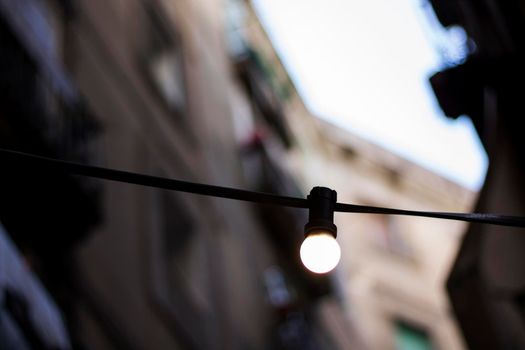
(319, 252)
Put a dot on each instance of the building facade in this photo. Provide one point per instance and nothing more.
(150, 87)
(394, 267)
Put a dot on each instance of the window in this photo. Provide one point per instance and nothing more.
(176, 289)
(409, 337)
(387, 234)
(164, 63)
(166, 71)
(236, 14)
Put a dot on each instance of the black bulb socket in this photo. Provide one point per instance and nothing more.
(321, 211)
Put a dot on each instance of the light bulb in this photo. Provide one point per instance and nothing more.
(320, 252)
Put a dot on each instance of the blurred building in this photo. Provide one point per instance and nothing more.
(486, 284)
(393, 270)
(194, 90)
(154, 87)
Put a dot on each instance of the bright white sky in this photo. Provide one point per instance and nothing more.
(364, 65)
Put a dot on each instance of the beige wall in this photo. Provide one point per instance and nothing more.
(392, 268)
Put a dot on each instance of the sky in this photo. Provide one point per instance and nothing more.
(364, 66)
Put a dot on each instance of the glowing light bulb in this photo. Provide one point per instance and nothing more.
(320, 252)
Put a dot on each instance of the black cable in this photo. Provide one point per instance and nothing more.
(39, 163)
(495, 219)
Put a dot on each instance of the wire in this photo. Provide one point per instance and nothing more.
(495, 219)
(39, 164)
